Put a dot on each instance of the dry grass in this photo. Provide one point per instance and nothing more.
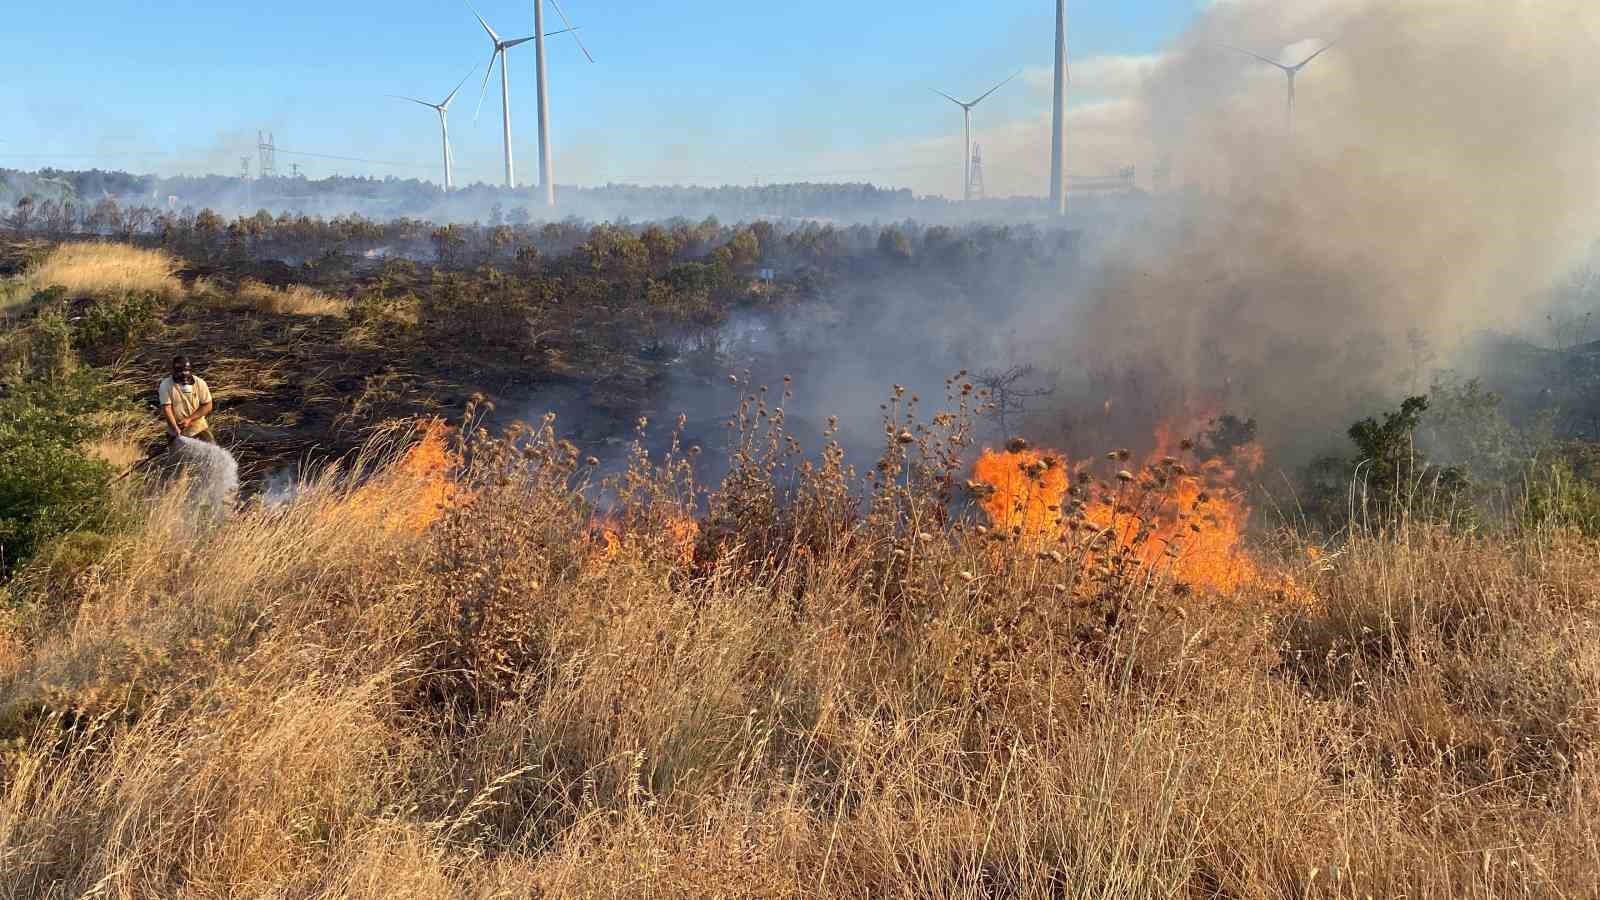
(295, 300)
(107, 270)
(298, 703)
(117, 452)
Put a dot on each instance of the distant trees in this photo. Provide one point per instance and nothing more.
(894, 245)
(105, 217)
(447, 243)
(495, 205)
(22, 215)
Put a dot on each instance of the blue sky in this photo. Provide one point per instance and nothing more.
(698, 91)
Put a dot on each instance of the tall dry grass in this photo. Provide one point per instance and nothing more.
(107, 270)
(306, 701)
(294, 300)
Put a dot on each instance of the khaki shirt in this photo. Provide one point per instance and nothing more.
(184, 400)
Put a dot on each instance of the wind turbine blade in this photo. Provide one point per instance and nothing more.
(413, 100)
(1303, 63)
(446, 103)
(1270, 62)
(562, 31)
(513, 42)
(484, 89)
(567, 22)
(948, 97)
(995, 88)
(492, 36)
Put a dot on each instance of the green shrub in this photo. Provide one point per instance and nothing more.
(40, 349)
(1561, 489)
(1389, 479)
(108, 328)
(377, 306)
(48, 485)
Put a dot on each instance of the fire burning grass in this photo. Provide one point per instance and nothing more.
(416, 491)
(611, 540)
(1175, 512)
(893, 708)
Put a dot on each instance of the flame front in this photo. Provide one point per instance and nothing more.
(1188, 516)
(416, 491)
(428, 464)
(1022, 490)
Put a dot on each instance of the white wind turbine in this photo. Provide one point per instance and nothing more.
(443, 109)
(547, 185)
(500, 48)
(966, 131)
(1288, 70)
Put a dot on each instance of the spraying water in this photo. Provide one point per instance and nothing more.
(213, 472)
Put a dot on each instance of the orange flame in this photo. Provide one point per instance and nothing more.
(609, 538)
(416, 491)
(1022, 490)
(428, 463)
(1188, 516)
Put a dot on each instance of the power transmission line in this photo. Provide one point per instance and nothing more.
(375, 162)
(114, 154)
(731, 178)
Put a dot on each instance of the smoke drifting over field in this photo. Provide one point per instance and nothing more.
(1440, 176)
(1439, 181)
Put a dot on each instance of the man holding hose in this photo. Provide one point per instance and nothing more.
(185, 403)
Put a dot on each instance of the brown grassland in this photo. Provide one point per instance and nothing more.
(105, 269)
(801, 695)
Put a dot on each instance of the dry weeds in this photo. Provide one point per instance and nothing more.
(813, 703)
(294, 300)
(107, 270)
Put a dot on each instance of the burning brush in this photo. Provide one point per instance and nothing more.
(1189, 516)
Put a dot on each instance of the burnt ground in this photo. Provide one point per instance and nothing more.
(292, 389)
(289, 388)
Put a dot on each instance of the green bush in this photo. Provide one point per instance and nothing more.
(48, 485)
(1389, 479)
(108, 328)
(41, 349)
(1561, 489)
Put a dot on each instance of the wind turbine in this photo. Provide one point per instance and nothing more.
(966, 131)
(500, 48)
(1291, 71)
(547, 185)
(443, 109)
(1058, 121)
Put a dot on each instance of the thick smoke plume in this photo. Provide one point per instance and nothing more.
(1438, 182)
(1440, 175)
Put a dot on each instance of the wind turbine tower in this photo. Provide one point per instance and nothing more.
(499, 52)
(966, 133)
(1290, 72)
(1058, 122)
(443, 109)
(547, 184)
